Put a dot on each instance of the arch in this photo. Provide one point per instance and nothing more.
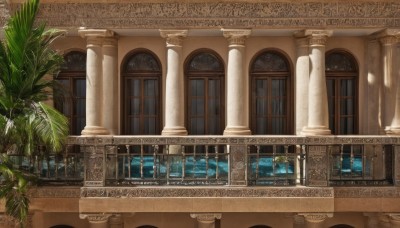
(141, 93)
(61, 226)
(260, 226)
(342, 226)
(205, 96)
(271, 95)
(146, 226)
(70, 91)
(341, 70)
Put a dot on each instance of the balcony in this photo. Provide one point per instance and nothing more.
(220, 161)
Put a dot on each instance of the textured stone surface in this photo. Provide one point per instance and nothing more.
(294, 14)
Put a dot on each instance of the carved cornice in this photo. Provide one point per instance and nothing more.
(174, 37)
(83, 32)
(236, 36)
(206, 217)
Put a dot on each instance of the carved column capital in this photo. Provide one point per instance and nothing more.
(236, 36)
(84, 32)
(316, 217)
(173, 37)
(95, 218)
(206, 217)
(303, 42)
(110, 41)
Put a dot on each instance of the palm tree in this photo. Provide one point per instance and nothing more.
(26, 123)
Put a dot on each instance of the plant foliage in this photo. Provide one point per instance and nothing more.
(26, 122)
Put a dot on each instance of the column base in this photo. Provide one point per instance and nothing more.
(392, 130)
(313, 131)
(237, 131)
(174, 131)
(94, 130)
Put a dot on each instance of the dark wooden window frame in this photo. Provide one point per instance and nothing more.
(207, 75)
(71, 76)
(337, 76)
(141, 75)
(254, 75)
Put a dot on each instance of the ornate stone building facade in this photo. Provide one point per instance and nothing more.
(224, 114)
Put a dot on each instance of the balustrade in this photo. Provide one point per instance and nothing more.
(220, 160)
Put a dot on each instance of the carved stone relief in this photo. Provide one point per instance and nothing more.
(278, 14)
(317, 163)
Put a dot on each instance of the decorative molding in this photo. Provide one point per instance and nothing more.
(83, 32)
(55, 192)
(95, 218)
(316, 217)
(277, 14)
(173, 37)
(129, 192)
(317, 162)
(236, 36)
(238, 155)
(206, 217)
(318, 40)
(367, 192)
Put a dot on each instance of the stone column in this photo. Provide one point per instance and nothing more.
(302, 80)
(174, 88)
(110, 85)
(206, 220)
(318, 116)
(374, 92)
(237, 122)
(390, 77)
(94, 80)
(96, 220)
(116, 221)
(316, 220)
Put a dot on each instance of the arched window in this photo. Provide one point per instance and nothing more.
(205, 93)
(141, 86)
(271, 107)
(70, 98)
(341, 81)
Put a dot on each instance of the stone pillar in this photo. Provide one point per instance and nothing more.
(237, 108)
(390, 77)
(206, 220)
(110, 85)
(94, 80)
(237, 167)
(374, 92)
(316, 220)
(318, 116)
(96, 220)
(116, 221)
(174, 89)
(302, 80)
(317, 163)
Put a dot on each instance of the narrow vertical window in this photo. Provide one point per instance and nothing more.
(341, 82)
(70, 97)
(205, 94)
(141, 77)
(270, 95)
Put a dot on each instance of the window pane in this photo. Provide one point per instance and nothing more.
(149, 106)
(149, 125)
(80, 88)
(278, 88)
(80, 109)
(197, 87)
(79, 125)
(261, 126)
(277, 126)
(347, 88)
(134, 127)
(346, 126)
(261, 107)
(198, 106)
(134, 107)
(346, 107)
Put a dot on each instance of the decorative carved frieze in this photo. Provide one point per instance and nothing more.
(278, 14)
(128, 192)
(367, 192)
